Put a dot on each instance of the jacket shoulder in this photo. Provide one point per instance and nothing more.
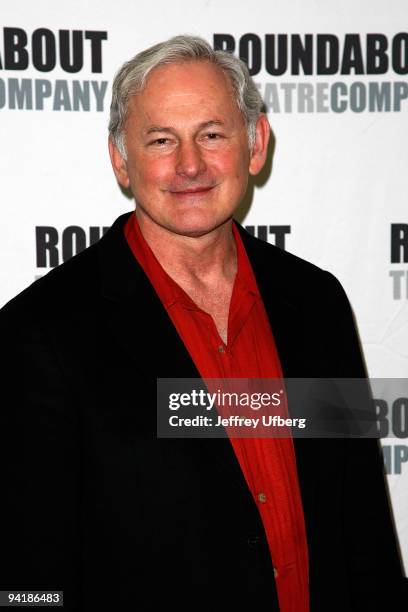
(65, 286)
(297, 277)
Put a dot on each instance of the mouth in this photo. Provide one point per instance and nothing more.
(193, 191)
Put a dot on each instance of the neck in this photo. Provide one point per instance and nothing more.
(203, 259)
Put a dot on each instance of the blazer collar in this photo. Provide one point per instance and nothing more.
(124, 283)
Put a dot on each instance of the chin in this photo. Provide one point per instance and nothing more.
(196, 228)
(192, 223)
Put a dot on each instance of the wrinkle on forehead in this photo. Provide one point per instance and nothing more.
(184, 90)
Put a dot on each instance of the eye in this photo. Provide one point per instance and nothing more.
(213, 136)
(160, 141)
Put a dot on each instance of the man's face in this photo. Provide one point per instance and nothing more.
(187, 149)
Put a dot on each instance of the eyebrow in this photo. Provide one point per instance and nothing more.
(201, 126)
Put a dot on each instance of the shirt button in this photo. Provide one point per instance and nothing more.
(275, 572)
(221, 349)
(262, 497)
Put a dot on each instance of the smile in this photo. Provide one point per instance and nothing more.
(192, 192)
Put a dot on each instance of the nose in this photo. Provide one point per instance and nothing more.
(190, 162)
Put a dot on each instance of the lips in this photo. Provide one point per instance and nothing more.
(192, 190)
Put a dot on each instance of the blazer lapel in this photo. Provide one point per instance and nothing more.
(281, 307)
(285, 316)
(134, 314)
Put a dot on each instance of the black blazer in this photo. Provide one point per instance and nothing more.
(95, 505)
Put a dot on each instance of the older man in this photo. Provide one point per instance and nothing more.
(99, 507)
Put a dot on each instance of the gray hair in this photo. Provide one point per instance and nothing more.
(131, 78)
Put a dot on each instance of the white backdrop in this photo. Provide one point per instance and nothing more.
(339, 176)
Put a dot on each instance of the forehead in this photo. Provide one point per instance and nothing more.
(186, 90)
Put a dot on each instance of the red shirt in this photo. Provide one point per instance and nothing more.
(268, 464)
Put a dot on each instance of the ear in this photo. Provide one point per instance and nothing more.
(118, 164)
(260, 148)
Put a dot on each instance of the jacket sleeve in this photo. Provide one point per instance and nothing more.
(374, 569)
(39, 466)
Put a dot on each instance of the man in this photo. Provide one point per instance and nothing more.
(95, 504)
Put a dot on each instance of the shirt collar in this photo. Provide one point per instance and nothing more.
(169, 291)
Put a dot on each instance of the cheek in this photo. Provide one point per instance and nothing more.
(235, 168)
(234, 161)
(151, 173)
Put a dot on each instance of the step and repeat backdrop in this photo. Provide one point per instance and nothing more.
(333, 76)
